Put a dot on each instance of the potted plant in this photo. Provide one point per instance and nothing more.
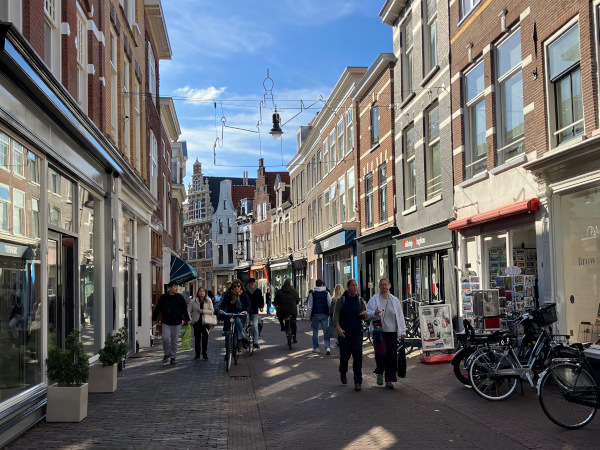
(103, 377)
(69, 368)
(123, 341)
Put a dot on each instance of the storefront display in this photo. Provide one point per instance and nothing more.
(436, 327)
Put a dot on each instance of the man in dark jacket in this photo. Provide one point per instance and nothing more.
(286, 301)
(319, 302)
(257, 303)
(349, 311)
(173, 309)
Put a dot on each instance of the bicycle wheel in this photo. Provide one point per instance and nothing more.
(250, 349)
(229, 352)
(568, 396)
(234, 350)
(480, 375)
(460, 370)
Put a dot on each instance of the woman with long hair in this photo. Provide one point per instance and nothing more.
(338, 291)
(198, 308)
(234, 301)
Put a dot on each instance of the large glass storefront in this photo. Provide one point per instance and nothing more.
(580, 236)
(338, 268)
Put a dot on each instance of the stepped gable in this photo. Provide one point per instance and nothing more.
(270, 178)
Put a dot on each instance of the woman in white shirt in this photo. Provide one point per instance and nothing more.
(386, 308)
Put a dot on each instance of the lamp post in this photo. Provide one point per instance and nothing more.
(276, 131)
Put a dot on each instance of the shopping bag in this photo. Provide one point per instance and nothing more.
(402, 361)
(331, 332)
(186, 337)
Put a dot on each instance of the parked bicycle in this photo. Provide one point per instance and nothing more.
(232, 349)
(494, 372)
(569, 391)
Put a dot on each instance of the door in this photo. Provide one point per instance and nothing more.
(61, 288)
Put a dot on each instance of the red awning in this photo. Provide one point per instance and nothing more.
(511, 210)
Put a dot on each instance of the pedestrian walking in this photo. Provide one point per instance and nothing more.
(318, 306)
(198, 308)
(338, 291)
(286, 301)
(257, 303)
(173, 309)
(385, 309)
(350, 309)
(268, 297)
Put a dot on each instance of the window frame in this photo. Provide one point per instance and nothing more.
(18, 166)
(409, 161)
(407, 58)
(340, 139)
(463, 10)
(6, 156)
(433, 175)
(382, 192)
(82, 57)
(326, 156)
(552, 84)
(332, 149)
(351, 188)
(342, 197)
(7, 204)
(506, 147)
(430, 29)
(375, 125)
(326, 215)
(349, 130)
(369, 210)
(470, 130)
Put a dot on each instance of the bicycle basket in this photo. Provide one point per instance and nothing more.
(546, 315)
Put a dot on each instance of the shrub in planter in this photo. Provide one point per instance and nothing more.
(70, 369)
(114, 349)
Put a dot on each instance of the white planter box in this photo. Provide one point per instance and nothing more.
(67, 403)
(103, 379)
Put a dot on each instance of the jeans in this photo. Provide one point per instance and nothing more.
(323, 320)
(388, 363)
(351, 345)
(254, 319)
(170, 334)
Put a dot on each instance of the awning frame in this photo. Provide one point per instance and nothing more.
(496, 214)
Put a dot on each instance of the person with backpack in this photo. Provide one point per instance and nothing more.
(349, 312)
(257, 303)
(318, 304)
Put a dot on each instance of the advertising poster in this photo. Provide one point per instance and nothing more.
(436, 327)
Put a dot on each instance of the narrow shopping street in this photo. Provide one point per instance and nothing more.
(277, 399)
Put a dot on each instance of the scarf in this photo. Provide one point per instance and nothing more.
(251, 290)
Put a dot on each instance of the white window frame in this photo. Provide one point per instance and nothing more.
(82, 59)
(18, 162)
(319, 168)
(349, 130)
(407, 58)
(35, 218)
(18, 212)
(375, 134)
(410, 161)
(326, 156)
(351, 189)
(52, 37)
(433, 174)
(342, 196)
(382, 191)
(470, 138)
(332, 150)
(333, 203)
(466, 6)
(430, 37)
(326, 216)
(114, 84)
(5, 151)
(138, 125)
(369, 207)
(5, 203)
(126, 109)
(550, 86)
(33, 168)
(152, 73)
(153, 165)
(507, 149)
(340, 139)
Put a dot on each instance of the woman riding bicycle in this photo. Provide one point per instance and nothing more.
(234, 301)
(286, 301)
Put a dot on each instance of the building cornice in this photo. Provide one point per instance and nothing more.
(390, 11)
(158, 28)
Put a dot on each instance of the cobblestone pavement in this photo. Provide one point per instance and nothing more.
(294, 399)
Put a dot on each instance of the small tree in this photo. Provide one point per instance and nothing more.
(115, 348)
(69, 366)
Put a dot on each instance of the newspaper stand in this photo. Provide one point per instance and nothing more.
(436, 333)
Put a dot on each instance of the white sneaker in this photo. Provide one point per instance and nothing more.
(327, 351)
(315, 350)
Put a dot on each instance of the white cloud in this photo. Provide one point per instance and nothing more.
(192, 95)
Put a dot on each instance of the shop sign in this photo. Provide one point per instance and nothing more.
(413, 242)
(10, 250)
(592, 232)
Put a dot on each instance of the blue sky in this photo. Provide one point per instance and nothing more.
(221, 52)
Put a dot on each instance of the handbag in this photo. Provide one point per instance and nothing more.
(402, 361)
(186, 338)
(331, 332)
(209, 320)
